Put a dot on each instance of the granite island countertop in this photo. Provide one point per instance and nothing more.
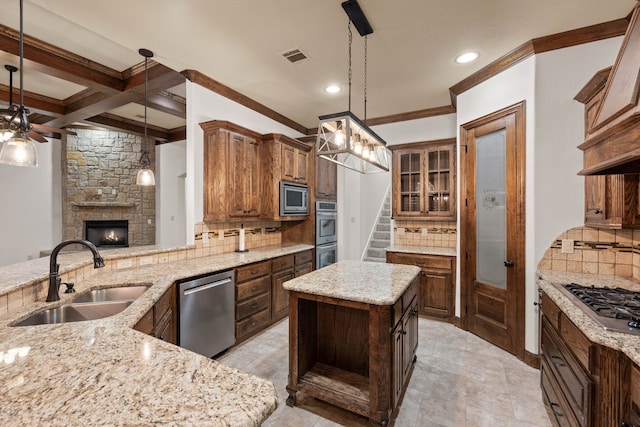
(102, 372)
(547, 280)
(368, 282)
(422, 250)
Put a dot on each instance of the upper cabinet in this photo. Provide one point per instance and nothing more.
(424, 180)
(232, 172)
(326, 179)
(283, 159)
(611, 201)
(613, 124)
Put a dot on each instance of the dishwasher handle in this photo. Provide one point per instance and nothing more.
(207, 286)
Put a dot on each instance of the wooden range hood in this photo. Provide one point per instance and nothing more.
(612, 140)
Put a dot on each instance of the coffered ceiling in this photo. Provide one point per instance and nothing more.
(88, 69)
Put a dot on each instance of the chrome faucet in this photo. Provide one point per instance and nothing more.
(54, 267)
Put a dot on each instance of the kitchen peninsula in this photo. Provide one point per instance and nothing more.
(353, 335)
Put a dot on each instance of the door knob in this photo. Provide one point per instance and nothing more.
(508, 263)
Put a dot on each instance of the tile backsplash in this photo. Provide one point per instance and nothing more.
(606, 252)
(425, 233)
(222, 237)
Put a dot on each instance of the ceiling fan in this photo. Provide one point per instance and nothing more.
(14, 117)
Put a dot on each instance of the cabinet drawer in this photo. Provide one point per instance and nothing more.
(252, 324)
(162, 306)
(423, 261)
(557, 407)
(304, 257)
(252, 288)
(251, 306)
(282, 263)
(576, 341)
(303, 269)
(252, 271)
(405, 301)
(573, 381)
(550, 310)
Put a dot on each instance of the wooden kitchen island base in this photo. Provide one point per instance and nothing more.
(349, 350)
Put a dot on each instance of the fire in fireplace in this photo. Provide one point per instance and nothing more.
(108, 233)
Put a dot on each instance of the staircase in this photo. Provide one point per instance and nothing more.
(382, 234)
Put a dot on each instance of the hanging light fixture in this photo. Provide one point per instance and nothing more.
(5, 131)
(145, 174)
(18, 149)
(342, 137)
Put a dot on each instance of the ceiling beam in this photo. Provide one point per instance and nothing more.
(36, 103)
(176, 106)
(94, 104)
(54, 61)
(112, 121)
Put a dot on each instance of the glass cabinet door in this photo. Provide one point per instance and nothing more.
(410, 183)
(439, 191)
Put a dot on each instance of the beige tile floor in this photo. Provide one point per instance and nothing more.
(459, 380)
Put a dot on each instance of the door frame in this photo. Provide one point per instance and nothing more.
(467, 277)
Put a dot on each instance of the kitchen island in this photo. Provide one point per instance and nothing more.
(353, 335)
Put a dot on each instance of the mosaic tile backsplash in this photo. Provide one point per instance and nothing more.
(423, 233)
(606, 252)
(219, 238)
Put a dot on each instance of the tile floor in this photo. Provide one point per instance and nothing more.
(459, 380)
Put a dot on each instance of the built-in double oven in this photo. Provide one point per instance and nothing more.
(326, 233)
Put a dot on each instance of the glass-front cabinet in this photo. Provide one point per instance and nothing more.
(424, 180)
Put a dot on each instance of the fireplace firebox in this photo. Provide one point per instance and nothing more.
(107, 233)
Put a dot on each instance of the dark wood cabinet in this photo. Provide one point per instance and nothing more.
(404, 346)
(437, 283)
(326, 180)
(584, 383)
(283, 269)
(232, 172)
(161, 320)
(283, 159)
(423, 180)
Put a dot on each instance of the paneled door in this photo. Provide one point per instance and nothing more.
(493, 228)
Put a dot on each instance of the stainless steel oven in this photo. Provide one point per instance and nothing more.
(326, 223)
(326, 233)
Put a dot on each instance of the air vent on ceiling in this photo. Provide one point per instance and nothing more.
(294, 56)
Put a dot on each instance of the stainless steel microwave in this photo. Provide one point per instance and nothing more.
(294, 199)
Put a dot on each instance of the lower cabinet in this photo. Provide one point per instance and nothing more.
(404, 339)
(260, 298)
(437, 282)
(161, 320)
(583, 383)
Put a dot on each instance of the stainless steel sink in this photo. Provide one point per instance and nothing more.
(95, 304)
(75, 313)
(121, 293)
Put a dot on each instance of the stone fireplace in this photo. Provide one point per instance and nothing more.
(99, 170)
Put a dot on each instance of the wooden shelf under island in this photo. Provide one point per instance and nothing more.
(353, 335)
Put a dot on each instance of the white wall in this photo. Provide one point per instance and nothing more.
(204, 105)
(554, 127)
(360, 196)
(171, 166)
(31, 212)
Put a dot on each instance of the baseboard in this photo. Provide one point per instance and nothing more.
(531, 359)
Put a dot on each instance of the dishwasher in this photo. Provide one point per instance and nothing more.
(207, 319)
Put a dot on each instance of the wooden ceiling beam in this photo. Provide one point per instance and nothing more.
(114, 122)
(34, 102)
(54, 61)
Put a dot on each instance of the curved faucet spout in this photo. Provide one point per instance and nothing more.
(54, 267)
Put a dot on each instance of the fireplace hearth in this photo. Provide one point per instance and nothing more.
(107, 233)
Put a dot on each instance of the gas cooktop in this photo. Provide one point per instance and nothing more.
(615, 309)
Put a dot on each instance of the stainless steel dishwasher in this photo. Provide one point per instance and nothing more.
(207, 319)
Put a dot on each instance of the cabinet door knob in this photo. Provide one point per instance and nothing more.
(598, 211)
(508, 263)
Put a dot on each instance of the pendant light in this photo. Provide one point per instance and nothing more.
(19, 149)
(145, 174)
(342, 137)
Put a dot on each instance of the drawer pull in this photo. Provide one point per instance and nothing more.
(255, 271)
(553, 409)
(255, 288)
(254, 305)
(558, 361)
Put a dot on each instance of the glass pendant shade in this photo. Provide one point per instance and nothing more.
(345, 140)
(19, 150)
(145, 177)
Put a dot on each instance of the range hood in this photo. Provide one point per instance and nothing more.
(612, 138)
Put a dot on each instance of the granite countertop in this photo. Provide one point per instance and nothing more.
(102, 372)
(627, 343)
(361, 281)
(423, 250)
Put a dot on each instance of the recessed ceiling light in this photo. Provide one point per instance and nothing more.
(467, 57)
(332, 89)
